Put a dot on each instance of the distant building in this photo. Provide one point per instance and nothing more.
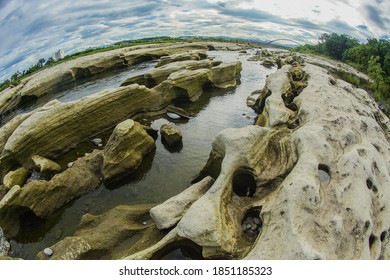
(60, 54)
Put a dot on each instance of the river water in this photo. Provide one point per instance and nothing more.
(163, 173)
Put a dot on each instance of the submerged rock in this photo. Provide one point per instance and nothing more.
(171, 135)
(104, 236)
(125, 150)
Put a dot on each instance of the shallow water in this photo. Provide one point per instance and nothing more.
(163, 173)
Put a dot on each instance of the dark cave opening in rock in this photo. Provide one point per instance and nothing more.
(244, 184)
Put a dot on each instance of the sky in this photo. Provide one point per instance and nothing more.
(34, 29)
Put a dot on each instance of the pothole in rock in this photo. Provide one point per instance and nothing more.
(371, 186)
(252, 223)
(179, 250)
(244, 184)
(324, 174)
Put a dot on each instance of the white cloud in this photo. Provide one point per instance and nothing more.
(32, 29)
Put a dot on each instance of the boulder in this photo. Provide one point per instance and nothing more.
(16, 177)
(42, 198)
(225, 75)
(167, 214)
(45, 165)
(111, 235)
(128, 145)
(171, 135)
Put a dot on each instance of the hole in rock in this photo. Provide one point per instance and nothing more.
(252, 223)
(244, 184)
(324, 174)
(372, 240)
(179, 250)
(383, 235)
(371, 186)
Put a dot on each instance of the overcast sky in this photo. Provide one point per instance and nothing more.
(33, 29)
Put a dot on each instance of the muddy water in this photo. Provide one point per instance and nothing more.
(163, 173)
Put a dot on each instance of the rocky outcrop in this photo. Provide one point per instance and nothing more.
(16, 177)
(190, 55)
(311, 180)
(157, 75)
(171, 135)
(65, 74)
(41, 198)
(63, 126)
(109, 236)
(52, 132)
(125, 150)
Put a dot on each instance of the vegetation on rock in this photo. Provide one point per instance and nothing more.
(372, 58)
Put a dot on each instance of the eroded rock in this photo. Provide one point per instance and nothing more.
(42, 198)
(111, 235)
(125, 150)
(171, 211)
(16, 177)
(316, 177)
(171, 135)
(45, 165)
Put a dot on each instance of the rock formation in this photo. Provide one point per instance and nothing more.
(125, 150)
(171, 135)
(314, 175)
(109, 236)
(62, 126)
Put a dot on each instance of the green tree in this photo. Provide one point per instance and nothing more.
(375, 73)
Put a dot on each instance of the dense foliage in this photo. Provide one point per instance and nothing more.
(372, 57)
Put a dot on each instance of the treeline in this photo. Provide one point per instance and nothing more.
(372, 58)
(19, 75)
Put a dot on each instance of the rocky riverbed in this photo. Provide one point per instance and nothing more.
(305, 178)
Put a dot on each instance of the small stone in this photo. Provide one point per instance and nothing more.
(48, 252)
(144, 223)
(100, 145)
(70, 164)
(173, 116)
(254, 227)
(256, 221)
(97, 141)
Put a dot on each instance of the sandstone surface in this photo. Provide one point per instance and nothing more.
(125, 149)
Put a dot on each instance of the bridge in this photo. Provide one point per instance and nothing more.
(270, 42)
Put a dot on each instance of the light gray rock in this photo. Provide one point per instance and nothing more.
(171, 211)
(339, 131)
